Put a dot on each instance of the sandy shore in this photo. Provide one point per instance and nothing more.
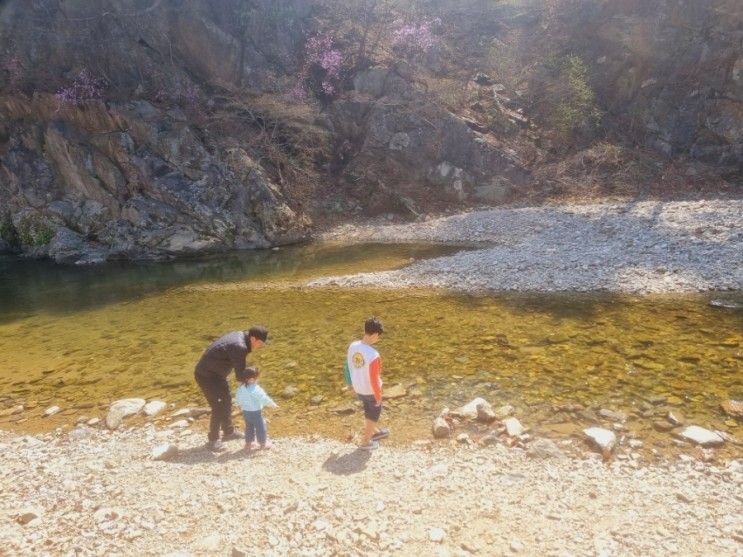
(92, 492)
(640, 247)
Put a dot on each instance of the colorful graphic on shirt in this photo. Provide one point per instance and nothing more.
(358, 360)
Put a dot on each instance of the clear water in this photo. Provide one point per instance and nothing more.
(80, 338)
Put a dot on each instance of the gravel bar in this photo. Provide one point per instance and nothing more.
(642, 247)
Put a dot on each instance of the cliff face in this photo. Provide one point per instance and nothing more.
(670, 73)
(158, 128)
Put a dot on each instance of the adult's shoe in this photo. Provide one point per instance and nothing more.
(233, 436)
(217, 446)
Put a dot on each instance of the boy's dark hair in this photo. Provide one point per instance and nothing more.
(250, 373)
(373, 325)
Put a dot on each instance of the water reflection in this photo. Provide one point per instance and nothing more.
(28, 286)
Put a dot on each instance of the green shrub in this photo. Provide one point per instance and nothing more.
(9, 233)
(33, 232)
(575, 108)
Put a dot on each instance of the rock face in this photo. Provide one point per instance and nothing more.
(639, 51)
(132, 180)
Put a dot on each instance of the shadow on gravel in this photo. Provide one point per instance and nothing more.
(200, 455)
(347, 464)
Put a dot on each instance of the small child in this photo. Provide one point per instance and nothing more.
(364, 374)
(251, 399)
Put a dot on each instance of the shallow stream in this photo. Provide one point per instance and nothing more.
(80, 338)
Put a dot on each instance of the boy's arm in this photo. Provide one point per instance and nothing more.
(375, 378)
(347, 373)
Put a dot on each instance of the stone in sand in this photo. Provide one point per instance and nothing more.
(154, 407)
(122, 409)
(604, 439)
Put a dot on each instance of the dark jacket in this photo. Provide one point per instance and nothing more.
(226, 353)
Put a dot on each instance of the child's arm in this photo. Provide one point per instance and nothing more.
(267, 400)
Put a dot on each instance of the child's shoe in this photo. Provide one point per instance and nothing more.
(370, 446)
(381, 434)
(266, 445)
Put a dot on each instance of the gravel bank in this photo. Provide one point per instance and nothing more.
(96, 493)
(642, 247)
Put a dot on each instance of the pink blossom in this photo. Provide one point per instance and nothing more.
(85, 87)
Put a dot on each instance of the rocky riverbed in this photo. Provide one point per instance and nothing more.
(95, 492)
(637, 247)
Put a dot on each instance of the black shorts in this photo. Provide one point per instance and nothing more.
(371, 410)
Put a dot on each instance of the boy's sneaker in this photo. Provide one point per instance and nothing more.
(370, 446)
(217, 446)
(381, 434)
(233, 436)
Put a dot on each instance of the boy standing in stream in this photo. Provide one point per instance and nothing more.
(364, 373)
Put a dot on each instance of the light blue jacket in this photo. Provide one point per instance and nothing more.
(251, 397)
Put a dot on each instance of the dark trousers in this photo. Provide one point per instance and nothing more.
(255, 426)
(217, 393)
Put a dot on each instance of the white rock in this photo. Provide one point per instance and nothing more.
(164, 451)
(516, 546)
(154, 407)
(702, 436)
(603, 438)
(122, 409)
(469, 410)
(436, 535)
(80, 433)
(181, 412)
(179, 424)
(52, 410)
(107, 514)
(93, 421)
(544, 449)
(209, 543)
(438, 470)
(513, 427)
(441, 428)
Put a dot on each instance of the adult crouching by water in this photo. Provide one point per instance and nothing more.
(224, 354)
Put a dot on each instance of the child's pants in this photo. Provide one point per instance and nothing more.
(254, 426)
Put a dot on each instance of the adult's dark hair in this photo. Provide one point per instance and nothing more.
(373, 325)
(250, 373)
(259, 332)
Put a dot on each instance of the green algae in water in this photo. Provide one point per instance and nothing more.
(557, 359)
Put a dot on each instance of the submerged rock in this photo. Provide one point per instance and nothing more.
(396, 391)
(733, 408)
(290, 391)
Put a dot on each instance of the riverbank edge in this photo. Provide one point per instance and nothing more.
(639, 248)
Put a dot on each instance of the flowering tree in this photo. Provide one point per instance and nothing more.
(321, 72)
(413, 40)
(85, 87)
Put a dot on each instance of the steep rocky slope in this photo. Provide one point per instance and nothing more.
(158, 128)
